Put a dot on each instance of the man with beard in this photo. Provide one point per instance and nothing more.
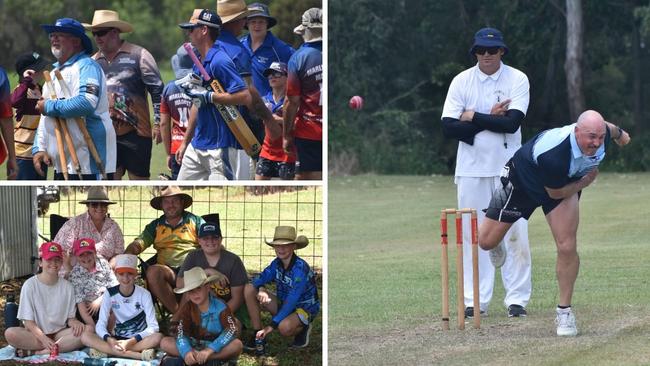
(173, 235)
(87, 83)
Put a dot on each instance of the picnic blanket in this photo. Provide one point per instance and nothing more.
(7, 353)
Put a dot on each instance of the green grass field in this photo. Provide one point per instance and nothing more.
(158, 155)
(384, 280)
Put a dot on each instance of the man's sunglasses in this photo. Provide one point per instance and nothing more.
(102, 33)
(276, 74)
(490, 50)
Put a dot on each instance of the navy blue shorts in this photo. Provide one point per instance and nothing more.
(134, 153)
(310, 155)
(275, 169)
(510, 202)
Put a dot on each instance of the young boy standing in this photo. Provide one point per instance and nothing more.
(296, 303)
(136, 329)
(47, 309)
(90, 277)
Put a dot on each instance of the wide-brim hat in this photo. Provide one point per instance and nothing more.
(97, 194)
(231, 10)
(171, 191)
(311, 18)
(108, 19)
(194, 278)
(262, 11)
(285, 235)
(71, 26)
(488, 37)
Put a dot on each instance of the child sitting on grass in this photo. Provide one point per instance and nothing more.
(90, 277)
(47, 309)
(296, 303)
(205, 327)
(136, 330)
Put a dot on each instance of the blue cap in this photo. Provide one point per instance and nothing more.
(488, 37)
(210, 229)
(71, 26)
(276, 66)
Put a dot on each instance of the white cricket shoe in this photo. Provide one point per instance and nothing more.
(498, 255)
(566, 323)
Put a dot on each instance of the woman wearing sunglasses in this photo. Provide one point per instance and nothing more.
(95, 224)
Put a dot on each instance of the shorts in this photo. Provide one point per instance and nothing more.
(134, 154)
(310, 155)
(510, 202)
(26, 170)
(275, 169)
(215, 164)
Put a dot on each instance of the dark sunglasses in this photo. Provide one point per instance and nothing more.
(101, 33)
(490, 50)
(276, 74)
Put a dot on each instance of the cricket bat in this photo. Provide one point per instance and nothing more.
(230, 114)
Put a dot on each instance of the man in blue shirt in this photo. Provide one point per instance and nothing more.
(550, 171)
(264, 47)
(213, 149)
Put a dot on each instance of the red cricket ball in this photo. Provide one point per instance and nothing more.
(356, 102)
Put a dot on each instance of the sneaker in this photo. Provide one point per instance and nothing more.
(516, 311)
(148, 354)
(469, 312)
(566, 322)
(498, 255)
(249, 344)
(301, 339)
(94, 353)
(260, 347)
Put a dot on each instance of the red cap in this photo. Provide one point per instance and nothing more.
(51, 250)
(83, 245)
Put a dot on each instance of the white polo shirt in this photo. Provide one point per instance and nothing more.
(474, 90)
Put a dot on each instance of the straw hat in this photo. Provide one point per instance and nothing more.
(108, 19)
(194, 278)
(231, 10)
(287, 235)
(97, 194)
(171, 191)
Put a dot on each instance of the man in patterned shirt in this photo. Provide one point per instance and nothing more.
(173, 235)
(131, 72)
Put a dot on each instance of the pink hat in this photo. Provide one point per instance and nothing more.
(51, 250)
(83, 245)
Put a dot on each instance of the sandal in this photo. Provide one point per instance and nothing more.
(22, 353)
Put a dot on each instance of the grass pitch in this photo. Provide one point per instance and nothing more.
(384, 280)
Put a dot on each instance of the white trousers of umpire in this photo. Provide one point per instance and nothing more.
(515, 273)
(217, 164)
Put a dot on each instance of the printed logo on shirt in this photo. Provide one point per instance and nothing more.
(262, 59)
(125, 60)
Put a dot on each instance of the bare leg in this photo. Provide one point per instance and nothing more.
(254, 307)
(491, 233)
(290, 325)
(68, 341)
(231, 350)
(21, 338)
(168, 344)
(563, 221)
(162, 287)
(92, 340)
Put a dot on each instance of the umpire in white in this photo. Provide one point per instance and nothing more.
(484, 109)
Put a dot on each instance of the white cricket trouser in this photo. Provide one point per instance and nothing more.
(217, 164)
(515, 273)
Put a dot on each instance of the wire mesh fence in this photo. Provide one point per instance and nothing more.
(248, 216)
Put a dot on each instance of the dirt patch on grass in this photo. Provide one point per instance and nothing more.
(525, 341)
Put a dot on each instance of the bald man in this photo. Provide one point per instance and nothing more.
(550, 171)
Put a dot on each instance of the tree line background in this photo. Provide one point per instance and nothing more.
(401, 56)
(155, 23)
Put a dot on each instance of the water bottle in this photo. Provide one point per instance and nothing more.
(259, 346)
(88, 361)
(11, 311)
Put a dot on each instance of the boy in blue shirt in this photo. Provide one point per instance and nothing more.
(296, 304)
